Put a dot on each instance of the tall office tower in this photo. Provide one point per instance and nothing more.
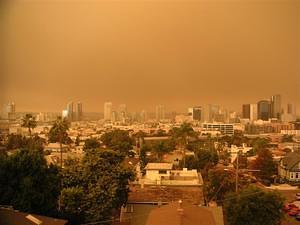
(263, 110)
(143, 116)
(79, 111)
(195, 113)
(107, 111)
(160, 113)
(114, 116)
(246, 108)
(122, 114)
(11, 111)
(253, 112)
(290, 114)
(70, 110)
(276, 106)
(291, 109)
(210, 112)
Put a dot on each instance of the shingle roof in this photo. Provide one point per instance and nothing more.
(191, 215)
(291, 159)
(13, 217)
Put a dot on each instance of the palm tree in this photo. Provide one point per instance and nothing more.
(58, 133)
(181, 135)
(29, 122)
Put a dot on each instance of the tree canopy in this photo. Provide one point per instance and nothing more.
(265, 163)
(201, 160)
(219, 183)
(91, 143)
(95, 186)
(27, 183)
(58, 132)
(253, 206)
(29, 122)
(118, 140)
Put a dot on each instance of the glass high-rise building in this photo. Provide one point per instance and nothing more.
(275, 106)
(263, 110)
(70, 110)
(79, 112)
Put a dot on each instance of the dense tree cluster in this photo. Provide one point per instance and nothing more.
(219, 183)
(118, 140)
(91, 143)
(94, 186)
(202, 159)
(253, 206)
(265, 164)
(27, 183)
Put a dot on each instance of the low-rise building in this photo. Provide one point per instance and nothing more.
(163, 174)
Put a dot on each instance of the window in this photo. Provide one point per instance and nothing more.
(162, 172)
(292, 175)
(296, 175)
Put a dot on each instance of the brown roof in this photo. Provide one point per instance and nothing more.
(13, 217)
(191, 215)
(193, 195)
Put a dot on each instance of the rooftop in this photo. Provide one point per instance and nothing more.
(159, 166)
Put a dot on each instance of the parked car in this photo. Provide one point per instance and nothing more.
(293, 212)
(287, 207)
(298, 194)
(297, 216)
(266, 182)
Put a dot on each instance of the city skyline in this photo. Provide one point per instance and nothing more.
(148, 53)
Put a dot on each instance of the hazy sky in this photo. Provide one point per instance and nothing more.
(143, 53)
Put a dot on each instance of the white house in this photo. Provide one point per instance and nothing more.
(162, 174)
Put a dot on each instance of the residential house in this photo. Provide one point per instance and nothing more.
(289, 167)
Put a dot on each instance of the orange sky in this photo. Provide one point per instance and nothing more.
(143, 53)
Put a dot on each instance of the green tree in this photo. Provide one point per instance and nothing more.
(104, 182)
(265, 163)
(181, 135)
(201, 160)
(219, 183)
(161, 148)
(59, 133)
(72, 204)
(260, 143)
(91, 143)
(29, 122)
(27, 183)
(253, 206)
(118, 140)
(15, 141)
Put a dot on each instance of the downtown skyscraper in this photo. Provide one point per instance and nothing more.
(107, 111)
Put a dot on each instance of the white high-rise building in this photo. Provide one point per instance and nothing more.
(160, 113)
(253, 112)
(107, 111)
(70, 109)
(122, 114)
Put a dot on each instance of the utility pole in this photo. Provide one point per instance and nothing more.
(237, 173)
